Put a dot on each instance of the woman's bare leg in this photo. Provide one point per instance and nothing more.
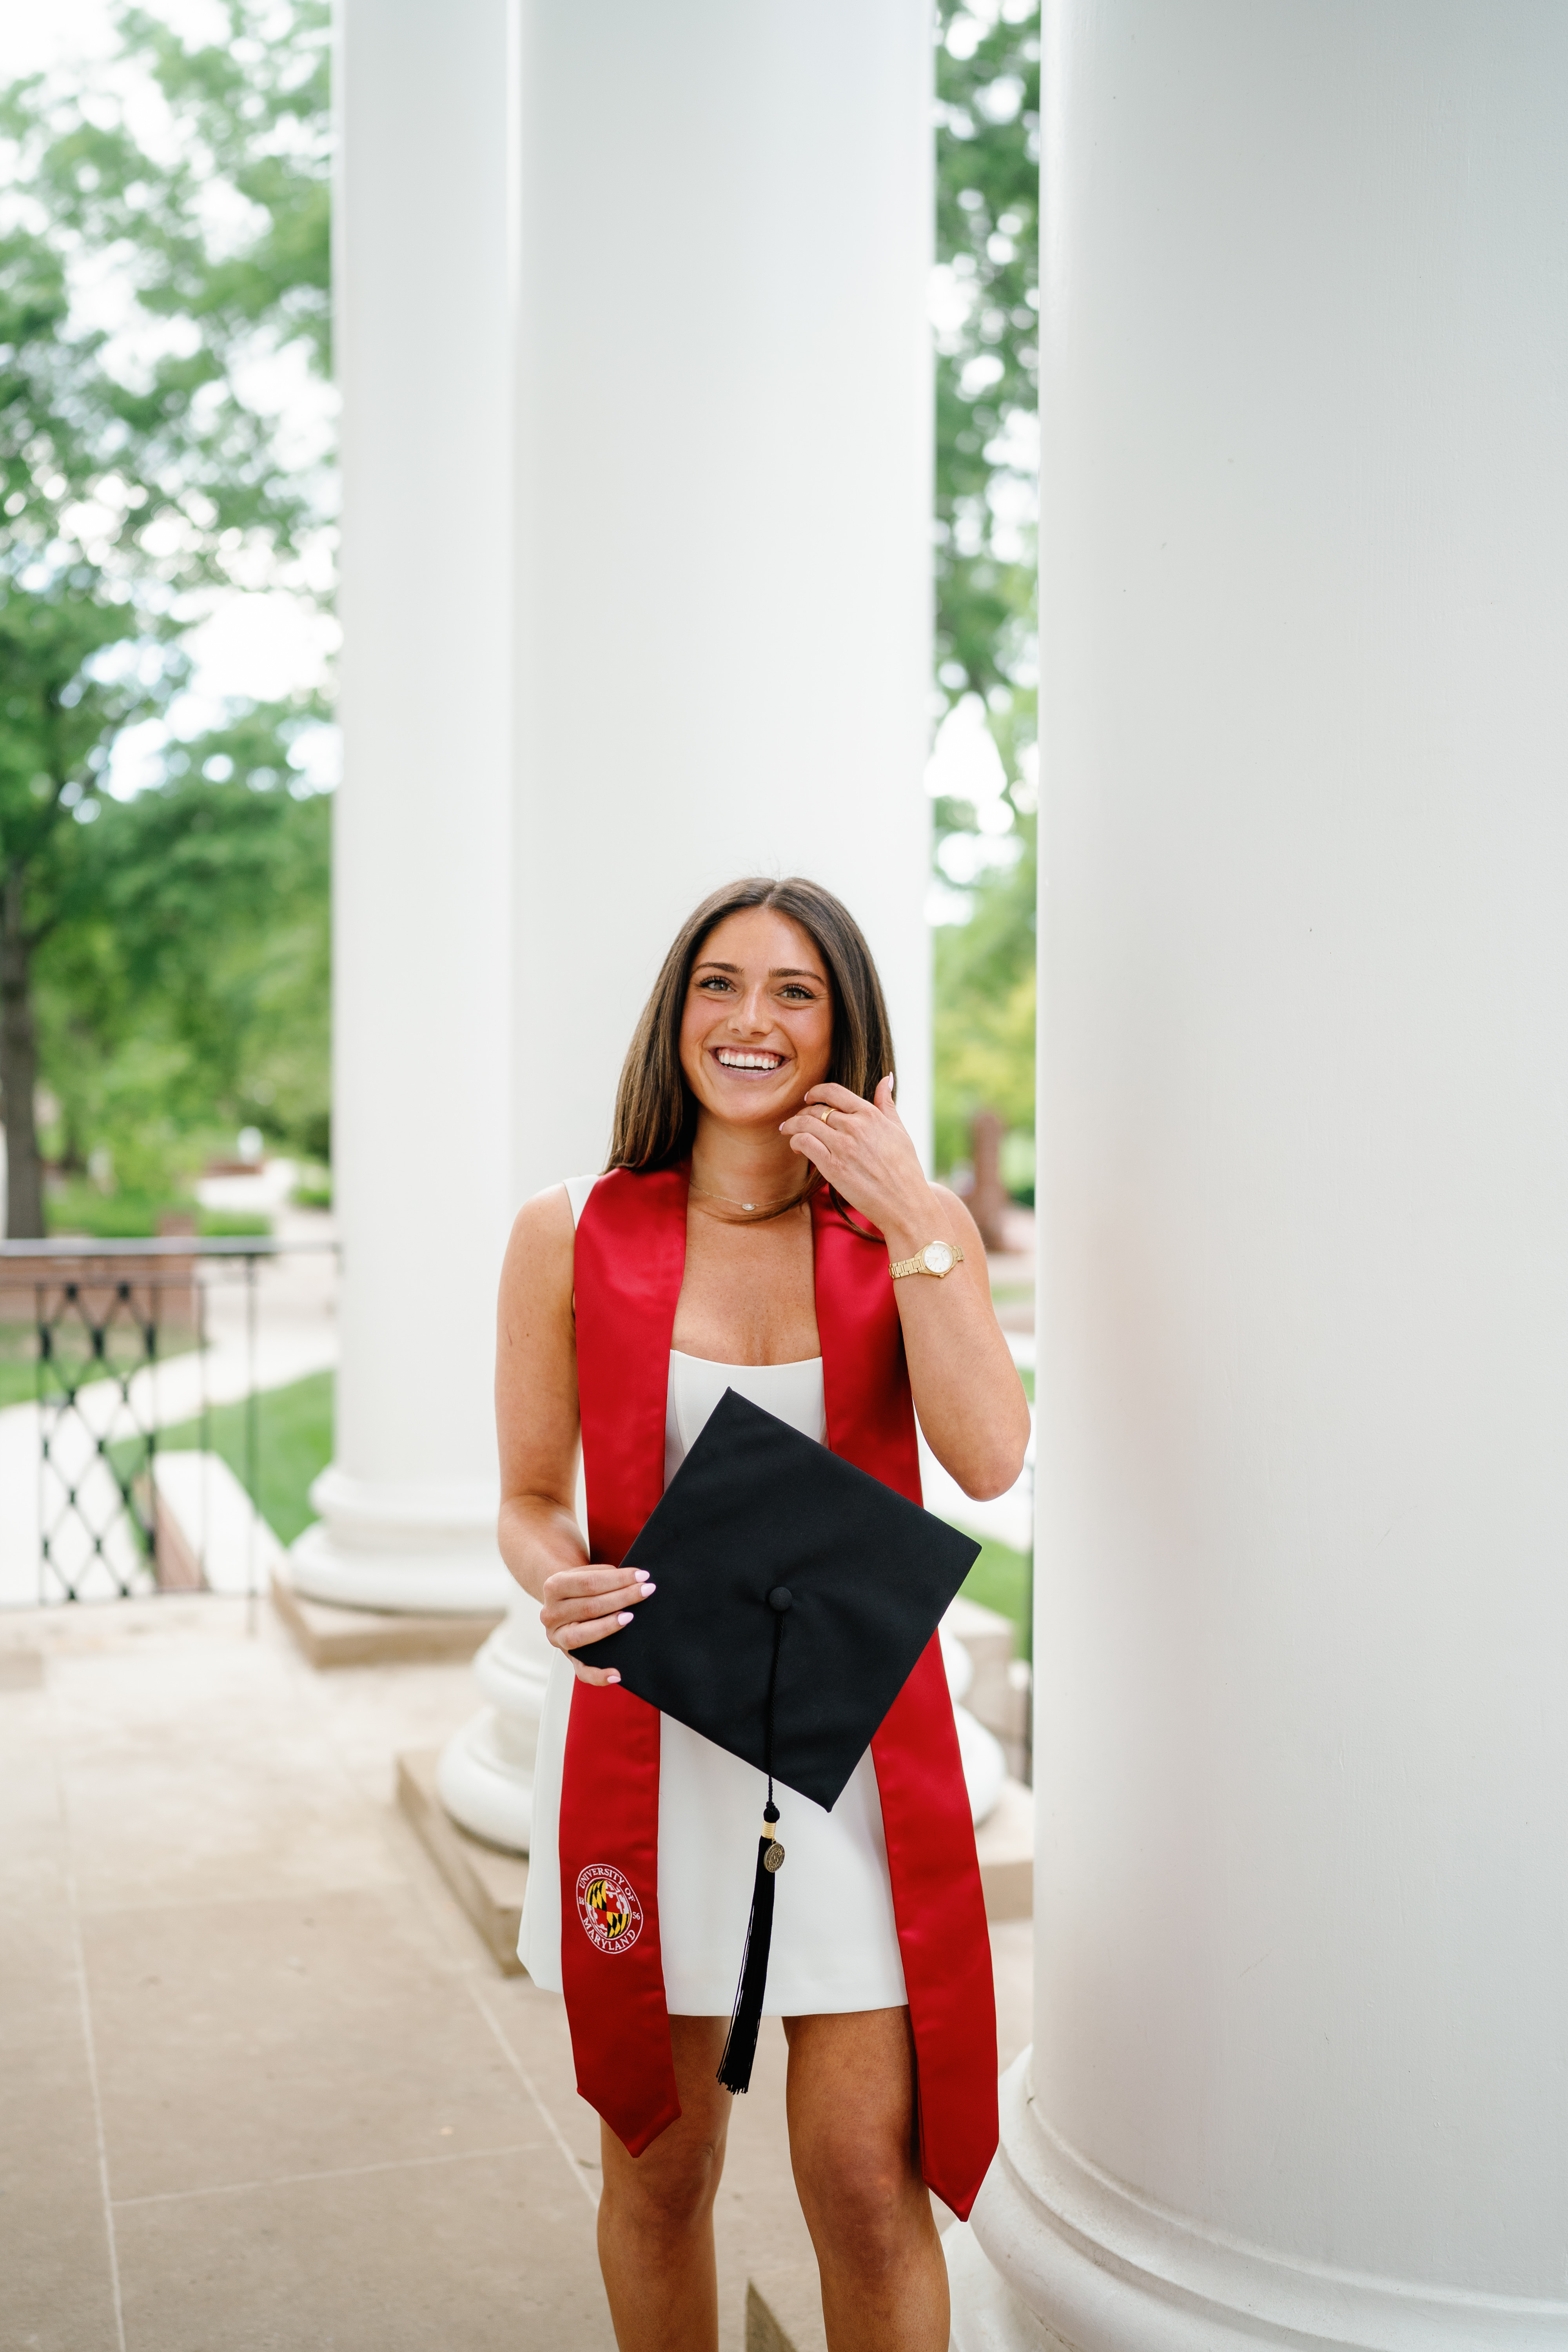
(656, 2216)
(852, 2141)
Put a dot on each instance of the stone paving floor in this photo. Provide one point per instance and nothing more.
(261, 2090)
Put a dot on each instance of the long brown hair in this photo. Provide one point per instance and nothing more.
(656, 1115)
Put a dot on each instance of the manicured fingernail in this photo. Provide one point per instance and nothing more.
(652, 1588)
(625, 1618)
(612, 1677)
(641, 1575)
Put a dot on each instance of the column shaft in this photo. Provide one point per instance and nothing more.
(723, 641)
(423, 1037)
(1302, 1746)
(723, 505)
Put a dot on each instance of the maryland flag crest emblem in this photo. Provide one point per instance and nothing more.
(608, 1907)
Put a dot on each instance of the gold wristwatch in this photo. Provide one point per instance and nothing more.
(937, 1257)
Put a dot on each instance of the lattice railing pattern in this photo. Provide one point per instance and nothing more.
(98, 1342)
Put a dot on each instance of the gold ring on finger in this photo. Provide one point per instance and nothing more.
(825, 1114)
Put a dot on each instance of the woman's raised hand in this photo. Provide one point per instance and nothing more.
(583, 1604)
(863, 1149)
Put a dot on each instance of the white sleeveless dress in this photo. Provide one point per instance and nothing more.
(835, 1943)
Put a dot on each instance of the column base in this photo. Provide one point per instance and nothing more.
(431, 1549)
(1058, 2257)
(485, 1778)
(987, 2316)
(484, 1786)
(980, 1751)
(488, 1885)
(328, 1636)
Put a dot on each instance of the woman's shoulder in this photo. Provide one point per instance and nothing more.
(542, 1238)
(535, 1293)
(556, 1209)
(543, 1244)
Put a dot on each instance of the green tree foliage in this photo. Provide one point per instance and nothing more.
(58, 711)
(987, 370)
(254, 118)
(134, 476)
(988, 157)
(984, 1024)
(191, 992)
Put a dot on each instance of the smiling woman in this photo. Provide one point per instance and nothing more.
(763, 1226)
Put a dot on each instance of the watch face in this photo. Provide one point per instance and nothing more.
(936, 1257)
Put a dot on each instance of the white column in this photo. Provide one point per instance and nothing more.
(723, 464)
(723, 469)
(1302, 1750)
(422, 976)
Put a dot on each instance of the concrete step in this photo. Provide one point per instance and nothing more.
(331, 1636)
(210, 1535)
(1004, 1842)
(487, 1883)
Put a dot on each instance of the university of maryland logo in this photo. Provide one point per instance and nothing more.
(608, 1907)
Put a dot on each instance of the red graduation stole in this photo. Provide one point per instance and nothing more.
(630, 1258)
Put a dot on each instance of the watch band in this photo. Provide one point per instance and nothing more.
(899, 1267)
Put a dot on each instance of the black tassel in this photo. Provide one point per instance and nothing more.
(741, 2048)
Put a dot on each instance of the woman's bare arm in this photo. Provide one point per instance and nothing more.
(966, 1389)
(967, 1393)
(537, 1427)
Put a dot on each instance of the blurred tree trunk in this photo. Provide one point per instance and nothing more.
(18, 1070)
(988, 1202)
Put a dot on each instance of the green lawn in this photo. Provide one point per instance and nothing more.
(999, 1580)
(294, 1445)
(18, 1363)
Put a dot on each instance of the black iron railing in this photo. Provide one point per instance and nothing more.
(106, 1318)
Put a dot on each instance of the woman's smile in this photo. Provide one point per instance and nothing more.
(756, 1033)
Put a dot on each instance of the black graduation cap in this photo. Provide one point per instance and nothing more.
(795, 1594)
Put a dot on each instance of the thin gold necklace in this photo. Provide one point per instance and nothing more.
(754, 1208)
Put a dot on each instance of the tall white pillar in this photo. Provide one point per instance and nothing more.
(1302, 1753)
(723, 467)
(422, 976)
(723, 530)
